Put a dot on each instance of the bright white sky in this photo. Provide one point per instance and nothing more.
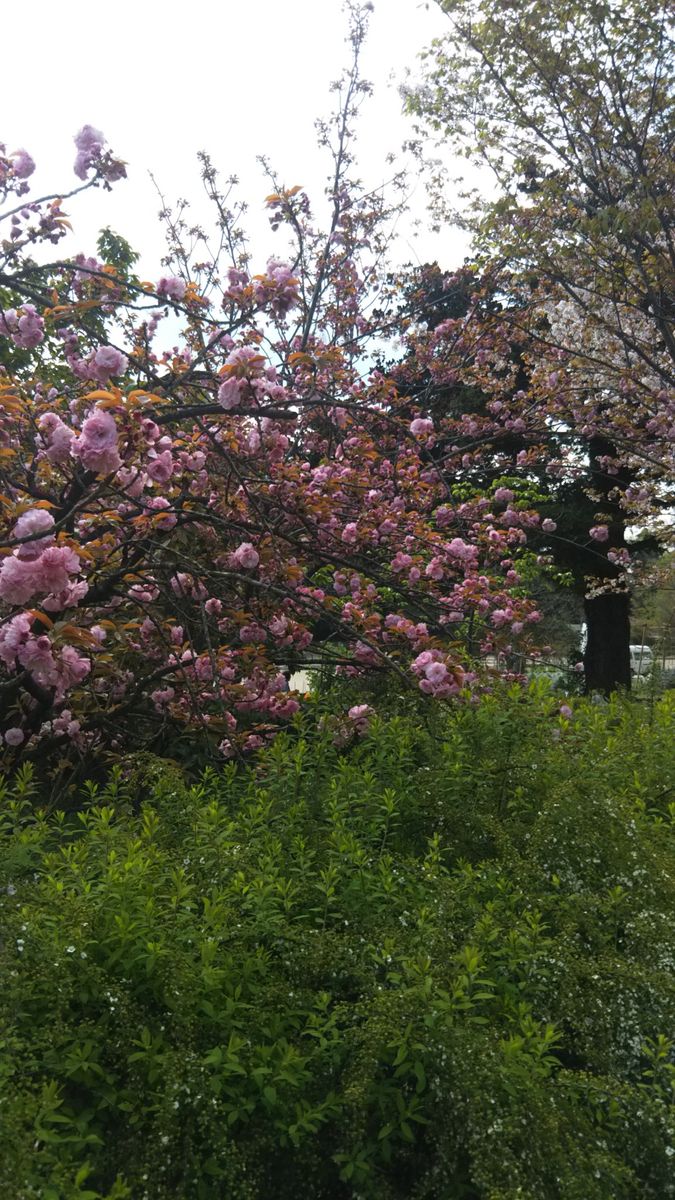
(235, 77)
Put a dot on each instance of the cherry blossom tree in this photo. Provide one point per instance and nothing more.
(571, 108)
(452, 320)
(181, 524)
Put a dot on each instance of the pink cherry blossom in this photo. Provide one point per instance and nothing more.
(245, 557)
(401, 561)
(56, 438)
(24, 325)
(18, 580)
(421, 427)
(69, 597)
(434, 569)
(97, 444)
(13, 635)
(172, 287)
(89, 139)
(462, 550)
(229, 393)
(107, 361)
(54, 567)
(22, 164)
(90, 143)
(277, 289)
(160, 469)
(501, 616)
(164, 516)
(37, 657)
(30, 523)
(599, 533)
(74, 668)
(361, 716)
(436, 672)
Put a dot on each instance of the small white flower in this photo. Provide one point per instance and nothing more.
(70, 949)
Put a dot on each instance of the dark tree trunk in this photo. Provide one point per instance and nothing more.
(607, 654)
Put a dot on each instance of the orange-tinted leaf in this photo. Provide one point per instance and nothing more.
(113, 402)
(77, 635)
(99, 394)
(42, 617)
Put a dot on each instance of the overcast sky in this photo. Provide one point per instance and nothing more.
(238, 78)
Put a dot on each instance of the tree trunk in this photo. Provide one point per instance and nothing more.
(607, 653)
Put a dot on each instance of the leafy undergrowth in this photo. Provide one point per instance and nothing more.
(437, 963)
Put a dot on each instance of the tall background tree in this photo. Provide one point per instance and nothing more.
(440, 308)
(571, 107)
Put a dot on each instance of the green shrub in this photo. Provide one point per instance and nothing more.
(437, 963)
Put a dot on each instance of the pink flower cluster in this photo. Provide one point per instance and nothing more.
(55, 438)
(160, 466)
(599, 533)
(396, 624)
(277, 289)
(65, 724)
(20, 647)
(96, 446)
(90, 144)
(30, 524)
(245, 557)
(361, 716)
(435, 677)
(22, 163)
(421, 427)
(172, 287)
(100, 365)
(242, 365)
(462, 550)
(38, 567)
(23, 325)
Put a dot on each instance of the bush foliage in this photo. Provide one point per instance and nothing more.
(436, 962)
